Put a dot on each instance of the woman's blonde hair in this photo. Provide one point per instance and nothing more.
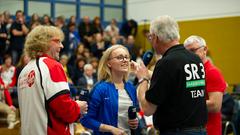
(37, 41)
(104, 72)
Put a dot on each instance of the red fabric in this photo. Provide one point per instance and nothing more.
(8, 97)
(214, 83)
(62, 110)
(55, 68)
(1, 81)
(12, 84)
(141, 113)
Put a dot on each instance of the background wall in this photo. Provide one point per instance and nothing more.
(182, 9)
(218, 21)
(105, 9)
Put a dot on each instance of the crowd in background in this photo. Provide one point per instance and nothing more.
(84, 41)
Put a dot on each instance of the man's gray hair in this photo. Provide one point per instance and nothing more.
(194, 38)
(87, 66)
(166, 28)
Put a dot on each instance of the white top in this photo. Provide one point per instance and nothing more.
(7, 75)
(31, 97)
(124, 102)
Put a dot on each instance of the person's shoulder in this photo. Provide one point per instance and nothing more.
(101, 87)
(212, 69)
(102, 84)
(53, 69)
(51, 62)
(52, 65)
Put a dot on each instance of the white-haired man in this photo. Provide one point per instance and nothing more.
(215, 84)
(175, 97)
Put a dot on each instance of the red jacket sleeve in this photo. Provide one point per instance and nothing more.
(1, 81)
(8, 97)
(65, 108)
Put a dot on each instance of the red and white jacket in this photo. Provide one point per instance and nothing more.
(44, 99)
(7, 80)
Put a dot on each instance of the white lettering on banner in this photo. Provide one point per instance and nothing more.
(188, 72)
(202, 69)
(192, 71)
(197, 93)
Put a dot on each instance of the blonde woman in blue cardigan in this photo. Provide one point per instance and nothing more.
(111, 97)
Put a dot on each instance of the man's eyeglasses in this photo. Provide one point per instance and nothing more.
(121, 58)
(195, 49)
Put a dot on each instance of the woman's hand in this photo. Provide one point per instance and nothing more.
(133, 123)
(118, 131)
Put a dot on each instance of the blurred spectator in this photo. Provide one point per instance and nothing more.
(18, 31)
(87, 55)
(129, 28)
(98, 46)
(74, 39)
(7, 78)
(35, 24)
(34, 19)
(85, 31)
(132, 47)
(97, 26)
(78, 70)
(8, 20)
(69, 74)
(60, 23)
(94, 61)
(72, 20)
(67, 68)
(88, 79)
(112, 30)
(77, 54)
(3, 37)
(47, 20)
(9, 110)
(23, 61)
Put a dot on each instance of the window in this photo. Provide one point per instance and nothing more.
(90, 11)
(110, 13)
(37, 7)
(11, 5)
(66, 10)
(113, 2)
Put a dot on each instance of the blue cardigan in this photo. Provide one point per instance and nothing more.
(103, 106)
